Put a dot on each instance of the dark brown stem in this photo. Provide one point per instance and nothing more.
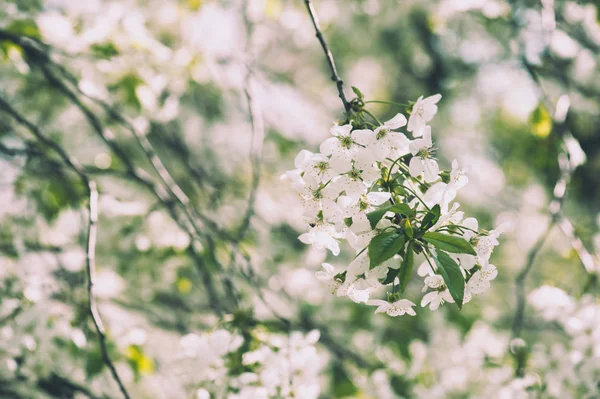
(334, 74)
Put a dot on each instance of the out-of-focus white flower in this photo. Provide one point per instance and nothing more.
(322, 237)
(551, 302)
(328, 276)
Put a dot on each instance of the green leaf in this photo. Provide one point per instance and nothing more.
(26, 27)
(357, 92)
(431, 218)
(407, 267)
(402, 209)
(391, 275)
(452, 276)
(454, 244)
(376, 215)
(384, 246)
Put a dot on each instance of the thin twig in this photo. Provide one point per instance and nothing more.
(91, 271)
(90, 185)
(334, 74)
(258, 130)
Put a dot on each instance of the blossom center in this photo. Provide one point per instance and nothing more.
(322, 166)
(354, 174)
(346, 141)
(381, 134)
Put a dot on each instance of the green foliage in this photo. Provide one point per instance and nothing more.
(376, 215)
(407, 267)
(26, 27)
(431, 218)
(384, 246)
(449, 243)
(452, 276)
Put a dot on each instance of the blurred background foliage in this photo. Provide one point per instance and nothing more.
(89, 74)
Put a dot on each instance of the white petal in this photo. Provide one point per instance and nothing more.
(328, 268)
(341, 162)
(434, 99)
(306, 238)
(377, 302)
(396, 122)
(428, 298)
(415, 166)
(424, 269)
(431, 169)
(302, 159)
(338, 130)
(378, 198)
(416, 145)
(364, 158)
(427, 136)
(333, 246)
(330, 146)
(364, 136)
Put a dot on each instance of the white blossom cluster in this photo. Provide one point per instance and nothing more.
(387, 197)
(269, 365)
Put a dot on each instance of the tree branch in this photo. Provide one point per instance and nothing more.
(334, 74)
(90, 185)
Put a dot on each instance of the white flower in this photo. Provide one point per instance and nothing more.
(295, 179)
(341, 147)
(425, 269)
(436, 298)
(322, 236)
(357, 209)
(356, 182)
(441, 294)
(398, 308)
(485, 245)
(551, 302)
(316, 166)
(422, 160)
(451, 216)
(480, 280)
(383, 140)
(444, 193)
(422, 112)
(328, 276)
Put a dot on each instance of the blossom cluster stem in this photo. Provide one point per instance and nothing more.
(334, 74)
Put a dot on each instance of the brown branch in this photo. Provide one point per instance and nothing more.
(334, 74)
(91, 270)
